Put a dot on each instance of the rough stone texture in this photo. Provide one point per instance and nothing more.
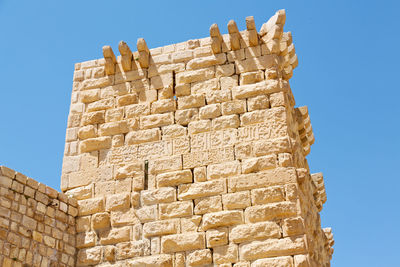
(191, 154)
(38, 224)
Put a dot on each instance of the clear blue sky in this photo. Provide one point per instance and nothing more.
(348, 68)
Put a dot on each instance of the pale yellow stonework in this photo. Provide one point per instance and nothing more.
(191, 154)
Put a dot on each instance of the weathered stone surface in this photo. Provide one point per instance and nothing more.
(254, 231)
(204, 62)
(222, 218)
(162, 260)
(156, 196)
(117, 202)
(92, 144)
(207, 204)
(267, 195)
(217, 237)
(176, 209)
(272, 248)
(272, 177)
(143, 136)
(237, 200)
(269, 211)
(156, 120)
(191, 154)
(223, 170)
(204, 189)
(182, 242)
(199, 257)
(174, 178)
(225, 254)
(274, 262)
(90, 206)
(159, 228)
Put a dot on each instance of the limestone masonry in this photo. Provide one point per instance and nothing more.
(191, 154)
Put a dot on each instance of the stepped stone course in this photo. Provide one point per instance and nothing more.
(191, 154)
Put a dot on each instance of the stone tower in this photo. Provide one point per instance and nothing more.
(193, 154)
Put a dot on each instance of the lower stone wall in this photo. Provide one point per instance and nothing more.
(37, 223)
(249, 220)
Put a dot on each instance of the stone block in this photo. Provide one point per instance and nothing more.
(259, 164)
(233, 107)
(257, 102)
(223, 170)
(251, 77)
(199, 257)
(267, 195)
(185, 116)
(227, 83)
(127, 217)
(89, 96)
(210, 111)
(293, 226)
(272, 248)
(86, 132)
(224, 70)
(204, 62)
(163, 106)
(86, 239)
(125, 250)
(271, 211)
(239, 200)
(93, 144)
(191, 101)
(113, 128)
(156, 120)
(117, 202)
(217, 237)
(200, 174)
(301, 261)
(218, 96)
(90, 206)
(207, 204)
(260, 88)
(277, 176)
(102, 104)
(254, 231)
(137, 110)
(160, 228)
(162, 81)
(182, 242)
(115, 235)
(174, 178)
(166, 164)
(162, 260)
(222, 218)
(93, 118)
(142, 136)
(203, 189)
(278, 261)
(156, 196)
(256, 63)
(176, 209)
(199, 126)
(225, 122)
(203, 87)
(225, 254)
(195, 75)
(89, 256)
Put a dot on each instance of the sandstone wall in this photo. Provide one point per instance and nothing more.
(37, 223)
(193, 154)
